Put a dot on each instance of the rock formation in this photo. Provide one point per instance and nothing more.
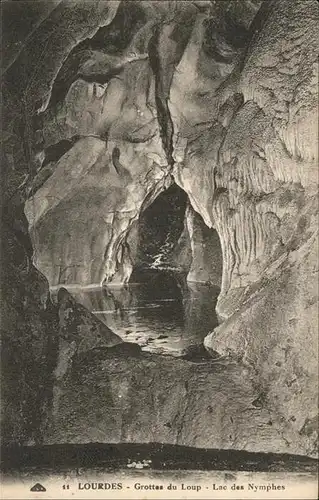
(113, 395)
(107, 104)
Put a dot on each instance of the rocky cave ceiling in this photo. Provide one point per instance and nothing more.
(111, 128)
(107, 104)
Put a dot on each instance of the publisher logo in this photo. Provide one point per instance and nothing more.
(38, 487)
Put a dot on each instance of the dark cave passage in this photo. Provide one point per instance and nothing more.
(172, 236)
(160, 227)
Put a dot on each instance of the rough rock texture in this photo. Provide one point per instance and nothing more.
(114, 112)
(259, 174)
(118, 395)
(28, 342)
(88, 173)
(29, 322)
(220, 97)
(206, 265)
(80, 329)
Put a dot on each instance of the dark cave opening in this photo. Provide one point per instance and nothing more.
(160, 227)
(172, 236)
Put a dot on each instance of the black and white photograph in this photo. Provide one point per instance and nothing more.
(159, 249)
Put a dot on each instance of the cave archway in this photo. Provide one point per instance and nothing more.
(169, 304)
(177, 274)
(171, 235)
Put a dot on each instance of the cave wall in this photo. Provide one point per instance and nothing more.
(206, 265)
(36, 39)
(251, 172)
(28, 341)
(260, 165)
(118, 157)
(119, 396)
(256, 152)
(221, 96)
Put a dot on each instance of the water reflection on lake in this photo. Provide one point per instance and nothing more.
(161, 312)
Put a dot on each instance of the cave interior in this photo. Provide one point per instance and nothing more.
(159, 232)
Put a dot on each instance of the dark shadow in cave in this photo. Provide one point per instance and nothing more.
(160, 226)
(63, 457)
(173, 236)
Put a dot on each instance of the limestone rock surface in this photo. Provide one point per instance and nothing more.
(115, 395)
